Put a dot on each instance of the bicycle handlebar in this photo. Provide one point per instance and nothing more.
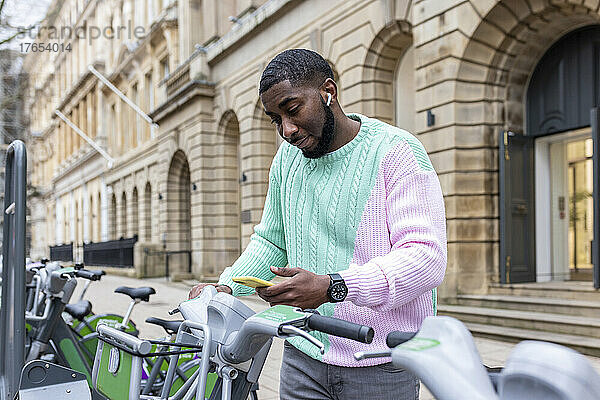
(395, 338)
(341, 328)
(90, 275)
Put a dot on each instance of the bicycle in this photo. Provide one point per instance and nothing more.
(443, 355)
(74, 345)
(50, 338)
(233, 342)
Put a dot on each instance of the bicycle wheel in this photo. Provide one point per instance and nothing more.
(91, 342)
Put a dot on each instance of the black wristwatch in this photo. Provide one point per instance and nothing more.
(337, 290)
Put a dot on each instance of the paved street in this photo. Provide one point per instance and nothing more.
(169, 295)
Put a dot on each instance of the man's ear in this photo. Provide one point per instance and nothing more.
(329, 87)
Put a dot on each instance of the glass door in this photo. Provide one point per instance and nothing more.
(564, 206)
(581, 208)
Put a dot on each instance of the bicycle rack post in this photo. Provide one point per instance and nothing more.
(12, 311)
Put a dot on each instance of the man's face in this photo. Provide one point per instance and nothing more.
(301, 116)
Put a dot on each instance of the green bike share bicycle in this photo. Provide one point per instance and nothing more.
(49, 337)
(53, 338)
(79, 315)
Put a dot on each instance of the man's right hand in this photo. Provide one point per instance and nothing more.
(196, 290)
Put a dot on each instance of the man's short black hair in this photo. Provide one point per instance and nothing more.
(299, 66)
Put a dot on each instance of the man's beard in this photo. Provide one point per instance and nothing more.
(324, 143)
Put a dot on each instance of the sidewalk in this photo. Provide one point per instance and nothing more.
(169, 295)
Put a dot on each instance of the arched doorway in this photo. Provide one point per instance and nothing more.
(179, 213)
(112, 218)
(77, 233)
(134, 213)
(123, 216)
(98, 211)
(233, 179)
(379, 73)
(548, 174)
(91, 220)
(67, 227)
(147, 230)
(404, 91)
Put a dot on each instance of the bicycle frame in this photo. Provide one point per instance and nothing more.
(69, 349)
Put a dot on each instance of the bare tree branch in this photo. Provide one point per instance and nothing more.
(22, 31)
(5, 23)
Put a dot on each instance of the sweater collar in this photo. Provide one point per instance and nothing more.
(348, 147)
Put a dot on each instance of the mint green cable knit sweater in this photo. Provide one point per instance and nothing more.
(372, 211)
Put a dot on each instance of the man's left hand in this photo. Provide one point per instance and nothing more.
(303, 289)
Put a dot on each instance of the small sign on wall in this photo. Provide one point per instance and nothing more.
(246, 216)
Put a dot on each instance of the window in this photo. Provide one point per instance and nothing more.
(164, 65)
(138, 120)
(149, 87)
(113, 126)
(149, 92)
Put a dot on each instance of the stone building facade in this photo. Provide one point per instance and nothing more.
(456, 73)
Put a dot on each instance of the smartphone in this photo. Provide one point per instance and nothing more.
(252, 281)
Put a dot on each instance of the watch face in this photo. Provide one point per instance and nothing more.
(339, 291)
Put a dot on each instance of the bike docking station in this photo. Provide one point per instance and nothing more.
(38, 378)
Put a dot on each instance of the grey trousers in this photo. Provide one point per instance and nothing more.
(303, 377)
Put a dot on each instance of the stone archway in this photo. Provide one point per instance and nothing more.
(92, 220)
(179, 213)
(147, 220)
(66, 227)
(489, 86)
(379, 70)
(123, 216)
(98, 212)
(233, 175)
(134, 214)
(507, 53)
(112, 218)
(221, 199)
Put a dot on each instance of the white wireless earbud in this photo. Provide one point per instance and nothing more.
(328, 99)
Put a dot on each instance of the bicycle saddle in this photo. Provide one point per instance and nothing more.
(79, 310)
(169, 326)
(141, 293)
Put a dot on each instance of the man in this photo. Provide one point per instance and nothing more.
(356, 210)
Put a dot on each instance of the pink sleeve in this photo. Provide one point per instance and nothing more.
(417, 260)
